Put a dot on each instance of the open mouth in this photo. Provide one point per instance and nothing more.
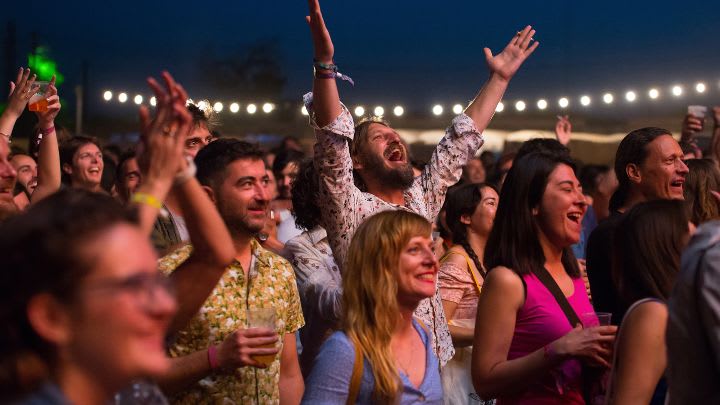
(678, 183)
(575, 217)
(427, 277)
(94, 170)
(395, 155)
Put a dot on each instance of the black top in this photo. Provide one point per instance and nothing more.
(599, 255)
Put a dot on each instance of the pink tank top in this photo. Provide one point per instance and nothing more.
(540, 321)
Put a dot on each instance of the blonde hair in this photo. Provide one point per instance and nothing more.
(370, 307)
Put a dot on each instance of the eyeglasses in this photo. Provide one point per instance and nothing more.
(143, 287)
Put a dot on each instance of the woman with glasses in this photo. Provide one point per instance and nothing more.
(84, 309)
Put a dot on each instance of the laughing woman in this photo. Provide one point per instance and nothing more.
(528, 348)
(382, 355)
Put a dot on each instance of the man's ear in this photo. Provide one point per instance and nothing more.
(49, 319)
(209, 191)
(633, 172)
(67, 168)
(357, 165)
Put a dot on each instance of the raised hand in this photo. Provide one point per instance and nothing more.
(690, 125)
(46, 118)
(163, 137)
(563, 129)
(506, 63)
(322, 43)
(20, 92)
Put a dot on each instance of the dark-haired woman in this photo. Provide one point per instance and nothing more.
(648, 243)
(528, 347)
(702, 179)
(470, 213)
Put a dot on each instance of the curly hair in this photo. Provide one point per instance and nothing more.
(305, 190)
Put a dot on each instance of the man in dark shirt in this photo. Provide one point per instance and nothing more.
(649, 166)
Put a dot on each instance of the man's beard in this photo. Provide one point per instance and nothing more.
(400, 177)
(237, 224)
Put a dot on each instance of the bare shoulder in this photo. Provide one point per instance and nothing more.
(505, 282)
(456, 256)
(645, 318)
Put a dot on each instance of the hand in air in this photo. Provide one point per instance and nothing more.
(506, 63)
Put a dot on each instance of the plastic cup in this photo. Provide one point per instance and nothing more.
(591, 319)
(263, 318)
(698, 111)
(38, 102)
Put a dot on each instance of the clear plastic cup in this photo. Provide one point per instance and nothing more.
(38, 102)
(263, 318)
(590, 319)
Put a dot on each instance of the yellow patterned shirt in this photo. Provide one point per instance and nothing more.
(272, 284)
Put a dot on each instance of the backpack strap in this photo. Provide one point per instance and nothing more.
(542, 274)
(357, 373)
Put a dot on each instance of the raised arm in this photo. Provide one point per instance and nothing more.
(563, 129)
(503, 67)
(160, 154)
(48, 180)
(20, 92)
(326, 98)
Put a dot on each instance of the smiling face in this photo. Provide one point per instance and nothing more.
(133, 312)
(285, 179)
(417, 271)
(87, 166)
(561, 209)
(481, 220)
(26, 169)
(383, 157)
(242, 198)
(662, 174)
(130, 178)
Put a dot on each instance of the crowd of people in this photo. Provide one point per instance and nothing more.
(193, 268)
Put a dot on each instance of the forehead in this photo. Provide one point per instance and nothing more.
(664, 146)
(131, 165)
(488, 192)
(561, 173)
(377, 127)
(88, 147)
(22, 160)
(200, 131)
(250, 167)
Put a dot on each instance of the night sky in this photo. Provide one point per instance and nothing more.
(411, 52)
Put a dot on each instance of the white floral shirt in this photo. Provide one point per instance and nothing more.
(345, 206)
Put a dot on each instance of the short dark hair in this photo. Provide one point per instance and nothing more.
(305, 191)
(206, 117)
(121, 164)
(284, 157)
(513, 241)
(632, 150)
(648, 242)
(589, 177)
(213, 159)
(41, 251)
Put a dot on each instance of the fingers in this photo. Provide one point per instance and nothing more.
(144, 119)
(520, 37)
(259, 332)
(488, 54)
(12, 89)
(532, 48)
(21, 71)
(526, 41)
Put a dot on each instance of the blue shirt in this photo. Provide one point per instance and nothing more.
(329, 381)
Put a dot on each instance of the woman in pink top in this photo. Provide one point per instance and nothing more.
(525, 349)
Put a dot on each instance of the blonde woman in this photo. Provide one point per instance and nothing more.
(382, 355)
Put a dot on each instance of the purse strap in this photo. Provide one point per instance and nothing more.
(357, 373)
(544, 276)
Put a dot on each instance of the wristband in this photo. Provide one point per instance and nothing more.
(212, 357)
(325, 66)
(325, 75)
(187, 174)
(332, 68)
(147, 199)
(48, 131)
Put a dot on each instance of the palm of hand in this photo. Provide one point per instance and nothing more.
(507, 62)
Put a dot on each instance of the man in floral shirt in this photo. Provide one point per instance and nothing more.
(374, 151)
(214, 356)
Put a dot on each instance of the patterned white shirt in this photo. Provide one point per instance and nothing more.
(345, 207)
